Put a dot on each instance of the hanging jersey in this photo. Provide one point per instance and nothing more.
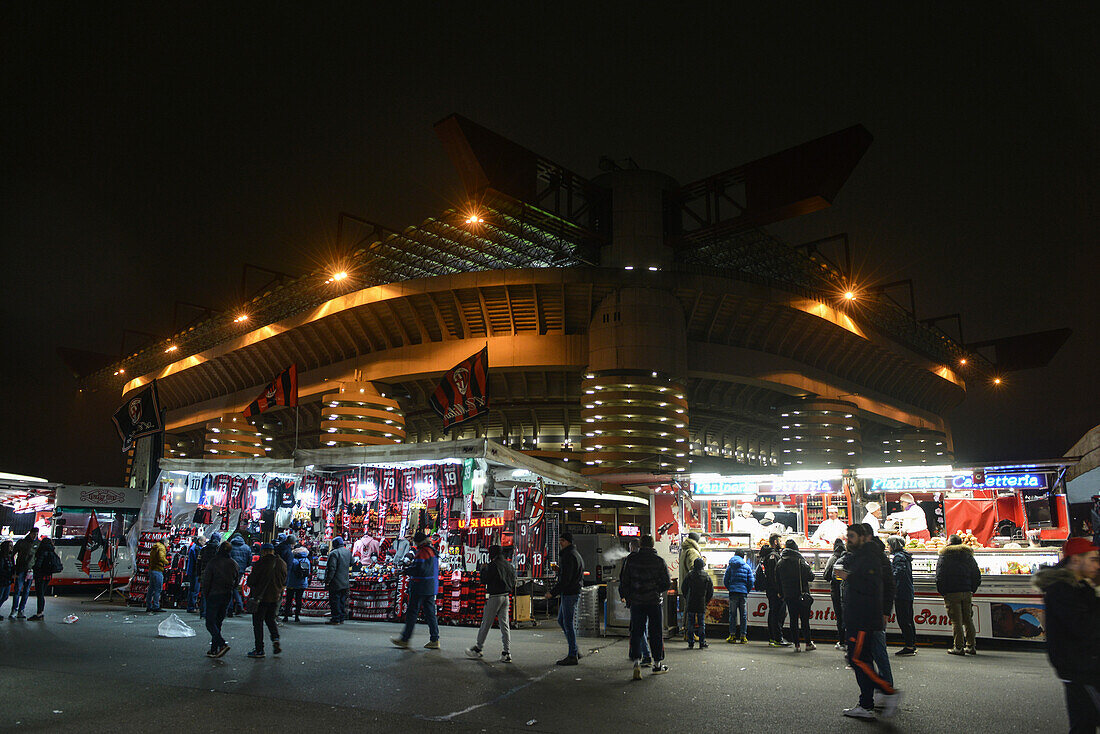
(408, 484)
(450, 480)
(388, 488)
(285, 500)
(219, 495)
(330, 494)
(427, 482)
(249, 490)
(368, 485)
(311, 495)
(236, 497)
(194, 488)
(349, 489)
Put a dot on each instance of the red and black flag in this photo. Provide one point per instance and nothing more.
(93, 538)
(463, 393)
(282, 391)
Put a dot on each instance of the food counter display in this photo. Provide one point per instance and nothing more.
(1006, 606)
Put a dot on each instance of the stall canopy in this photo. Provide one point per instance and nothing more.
(470, 448)
(17, 488)
(231, 466)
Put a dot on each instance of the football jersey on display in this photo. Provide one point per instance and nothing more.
(450, 480)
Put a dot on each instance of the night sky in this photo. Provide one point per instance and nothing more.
(147, 157)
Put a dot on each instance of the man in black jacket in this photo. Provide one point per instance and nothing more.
(643, 585)
(1073, 630)
(499, 577)
(957, 578)
(777, 611)
(568, 587)
(864, 615)
(219, 580)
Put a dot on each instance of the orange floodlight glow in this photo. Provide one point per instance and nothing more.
(241, 318)
(171, 349)
(962, 361)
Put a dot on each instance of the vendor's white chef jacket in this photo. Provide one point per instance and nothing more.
(873, 522)
(913, 519)
(831, 530)
(748, 525)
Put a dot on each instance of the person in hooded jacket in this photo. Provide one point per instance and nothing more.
(957, 578)
(423, 573)
(206, 555)
(266, 583)
(901, 563)
(338, 580)
(689, 551)
(499, 578)
(835, 587)
(738, 580)
(1072, 627)
(777, 610)
(284, 548)
(220, 579)
(794, 575)
(242, 554)
(698, 590)
(297, 580)
(192, 572)
(643, 585)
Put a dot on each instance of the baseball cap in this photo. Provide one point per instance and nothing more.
(267, 546)
(1076, 546)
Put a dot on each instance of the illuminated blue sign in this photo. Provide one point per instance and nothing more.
(960, 481)
(723, 487)
(896, 484)
(1000, 481)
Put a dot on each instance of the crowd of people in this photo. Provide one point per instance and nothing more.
(28, 563)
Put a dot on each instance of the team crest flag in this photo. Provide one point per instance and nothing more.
(463, 393)
(282, 391)
(139, 416)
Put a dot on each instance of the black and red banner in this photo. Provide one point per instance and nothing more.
(93, 538)
(463, 394)
(282, 391)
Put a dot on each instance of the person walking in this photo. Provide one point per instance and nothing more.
(834, 590)
(901, 563)
(242, 554)
(1072, 628)
(499, 578)
(647, 659)
(46, 564)
(863, 615)
(738, 580)
(267, 580)
(689, 551)
(337, 580)
(643, 586)
(777, 610)
(957, 578)
(568, 586)
(158, 561)
(7, 570)
(698, 590)
(24, 557)
(296, 582)
(192, 572)
(794, 575)
(423, 572)
(206, 555)
(220, 579)
(879, 653)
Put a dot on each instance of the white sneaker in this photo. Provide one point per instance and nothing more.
(505, 657)
(890, 703)
(858, 712)
(473, 652)
(840, 646)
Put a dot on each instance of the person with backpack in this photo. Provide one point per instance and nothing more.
(296, 582)
(834, 590)
(24, 557)
(738, 580)
(643, 585)
(46, 564)
(794, 575)
(499, 578)
(698, 590)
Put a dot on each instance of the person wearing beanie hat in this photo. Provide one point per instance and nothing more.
(337, 580)
(1072, 628)
(423, 573)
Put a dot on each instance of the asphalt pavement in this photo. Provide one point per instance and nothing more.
(110, 671)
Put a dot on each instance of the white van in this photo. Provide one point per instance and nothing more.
(116, 509)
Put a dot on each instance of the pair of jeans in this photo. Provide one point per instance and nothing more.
(22, 591)
(237, 604)
(40, 585)
(961, 613)
(193, 594)
(880, 655)
(646, 618)
(216, 607)
(838, 609)
(264, 614)
(696, 628)
(567, 620)
(859, 656)
(152, 594)
(800, 617)
(903, 610)
(418, 602)
(338, 604)
(293, 601)
(1083, 707)
(777, 613)
(497, 607)
(5, 591)
(740, 628)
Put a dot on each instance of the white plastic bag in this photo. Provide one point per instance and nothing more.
(174, 627)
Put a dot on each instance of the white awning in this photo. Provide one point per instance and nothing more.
(231, 466)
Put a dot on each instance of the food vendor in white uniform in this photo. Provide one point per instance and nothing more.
(746, 523)
(873, 516)
(832, 529)
(914, 523)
